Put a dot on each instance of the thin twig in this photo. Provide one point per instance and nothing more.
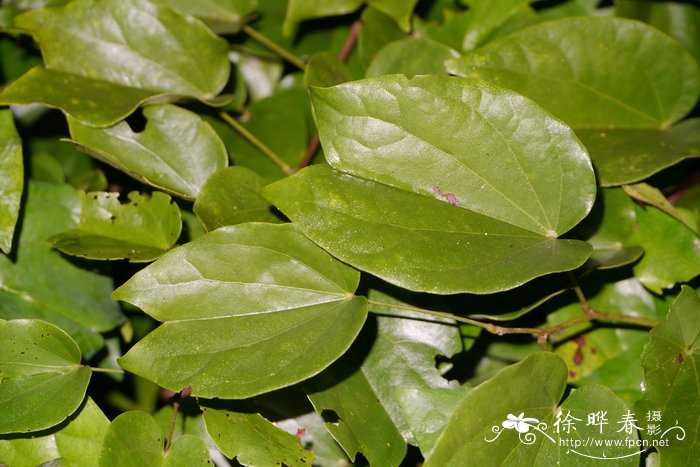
(343, 55)
(173, 418)
(262, 147)
(276, 48)
(543, 334)
(107, 370)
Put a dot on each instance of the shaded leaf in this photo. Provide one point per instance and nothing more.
(344, 400)
(253, 440)
(411, 57)
(232, 196)
(377, 31)
(325, 69)
(650, 195)
(77, 442)
(430, 178)
(11, 179)
(400, 10)
(222, 16)
(134, 438)
(592, 72)
(403, 353)
(176, 152)
(121, 54)
(248, 309)
(300, 10)
(141, 230)
(43, 381)
(671, 250)
(42, 284)
(624, 156)
(671, 367)
(427, 411)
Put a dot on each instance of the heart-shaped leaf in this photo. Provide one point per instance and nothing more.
(43, 381)
(176, 152)
(141, 230)
(11, 179)
(119, 53)
(455, 185)
(248, 309)
(400, 10)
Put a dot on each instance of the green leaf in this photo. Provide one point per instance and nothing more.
(411, 57)
(325, 69)
(248, 309)
(400, 10)
(425, 150)
(623, 156)
(478, 431)
(43, 381)
(485, 17)
(592, 72)
(134, 438)
(344, 398)
(222, 16)
(77, 442)
(141, 230)
(11, 179)
(671, 363)
(176, 152)
(42, 284)
(300, 10)
(377, 31)
(671, 250)
(281, 121)
(119, 54)
(403, 353)
(232, 196)
(253, 440)
(650, 195)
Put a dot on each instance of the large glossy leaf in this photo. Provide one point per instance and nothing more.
(177, 151)
(222, 16)
(42, 284)
(11, 179)
(437, 160)
(43, 381)
(624, 156)
(592, 72)
(140, 230)
(232, 196)
(486, 430)
(77, 442)
(671, 363)
(248, 309)
(119, 54)
(253, 440)
(134, 438)
(300, 10)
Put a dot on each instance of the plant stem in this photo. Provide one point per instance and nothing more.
(276, 48)
(262, 147)
(107, 370)
(343, 55)
(543, 334)
(173, 420)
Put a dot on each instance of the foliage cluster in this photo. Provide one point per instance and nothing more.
(349, 231)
